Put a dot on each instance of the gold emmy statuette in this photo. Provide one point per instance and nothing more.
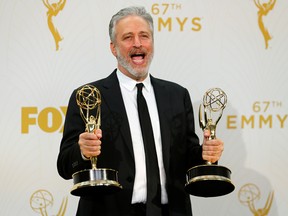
(210, 180)
(93, 181)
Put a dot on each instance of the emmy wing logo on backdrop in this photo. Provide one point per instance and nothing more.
(249, 193)
(53, 10)
(41, 200)
(263, 9)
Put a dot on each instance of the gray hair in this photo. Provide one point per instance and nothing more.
(129, 11)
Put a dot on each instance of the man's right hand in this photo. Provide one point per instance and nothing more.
(90, 143)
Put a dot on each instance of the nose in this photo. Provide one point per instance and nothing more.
(137, 42)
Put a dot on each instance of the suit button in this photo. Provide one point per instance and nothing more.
(129, 179)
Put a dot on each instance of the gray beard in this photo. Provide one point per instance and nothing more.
(134, 72)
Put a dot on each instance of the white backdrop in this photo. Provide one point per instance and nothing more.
(198, 43)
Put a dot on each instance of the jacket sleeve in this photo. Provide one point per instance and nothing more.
(69, 158)
(194, 149)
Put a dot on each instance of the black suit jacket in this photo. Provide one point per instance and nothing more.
(181, 149)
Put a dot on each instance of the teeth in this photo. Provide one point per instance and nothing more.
(138, 59)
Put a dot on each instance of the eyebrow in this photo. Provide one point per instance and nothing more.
(141, 32)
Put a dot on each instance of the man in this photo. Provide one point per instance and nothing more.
(119, 143)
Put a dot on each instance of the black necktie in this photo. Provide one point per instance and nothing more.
(153, 203)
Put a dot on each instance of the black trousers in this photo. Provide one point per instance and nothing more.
(139, 209)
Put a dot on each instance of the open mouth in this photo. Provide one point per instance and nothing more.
(138, 58)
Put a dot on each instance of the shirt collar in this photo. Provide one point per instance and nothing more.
(130, 84)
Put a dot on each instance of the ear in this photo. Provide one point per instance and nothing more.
(113, 49)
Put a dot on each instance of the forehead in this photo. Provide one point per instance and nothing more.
(132, 24)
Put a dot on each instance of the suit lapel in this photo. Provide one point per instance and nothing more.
(164, 111)
(111, 95)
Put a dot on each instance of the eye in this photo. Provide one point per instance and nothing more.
(127, 37)
(145, 36)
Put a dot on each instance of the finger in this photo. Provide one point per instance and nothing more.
(214, 142)
(211, 159)
(98, 133)
(88, 136)
(91, 151)
(206, 134)
(212, 151)
(211, 156)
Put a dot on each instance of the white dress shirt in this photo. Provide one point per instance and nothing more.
(129, 94)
